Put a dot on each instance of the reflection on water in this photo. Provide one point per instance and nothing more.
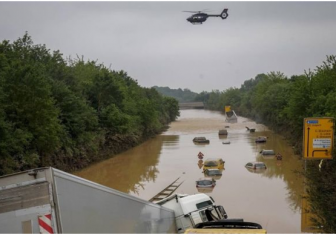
(201, 144)
(128, 172)
(205, 190)
(270, 197)
(222, 137)
(284, 169)
(200, 164)
(256, 171)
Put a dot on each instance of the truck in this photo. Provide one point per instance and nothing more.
(230, 115)
(47, 200)
(191, 210)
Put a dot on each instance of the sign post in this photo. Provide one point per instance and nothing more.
(307, 226)
(318, 138)
(318, 142)
(200, 155)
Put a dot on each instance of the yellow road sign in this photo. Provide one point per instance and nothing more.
(227, 109)
(318, 138)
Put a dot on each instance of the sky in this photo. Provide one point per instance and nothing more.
(155, 45)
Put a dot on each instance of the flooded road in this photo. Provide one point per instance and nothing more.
(270, 197)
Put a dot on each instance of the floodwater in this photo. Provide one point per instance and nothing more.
(269, 197)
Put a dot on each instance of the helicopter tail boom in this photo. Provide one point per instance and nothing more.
(222, 15)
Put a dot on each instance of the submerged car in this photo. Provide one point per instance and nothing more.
(256, 165)
(213, 173)
(266, 152)
(205, 183)
(223, 132)
(213, 163)
(250, 130)
(261, 139)
(201, 140)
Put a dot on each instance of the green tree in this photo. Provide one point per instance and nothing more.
(29, 104)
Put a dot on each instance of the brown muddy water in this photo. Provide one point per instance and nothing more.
(269, 197)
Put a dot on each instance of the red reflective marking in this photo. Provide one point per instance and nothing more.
(47, 227)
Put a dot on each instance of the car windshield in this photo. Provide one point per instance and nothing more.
(211, 163)
(268, 152)
(204, 182)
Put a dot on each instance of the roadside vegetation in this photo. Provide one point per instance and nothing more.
(68, 113)
(184, 95)
(282, 103)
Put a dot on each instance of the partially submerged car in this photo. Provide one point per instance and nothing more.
(201, 140)
(261, 139)
(213, 173)
(213, 163)
(205, 183)
(256, 165)
(223, 132)
(267, 153)
(250, 130)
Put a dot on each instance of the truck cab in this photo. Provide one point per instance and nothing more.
(191, 210)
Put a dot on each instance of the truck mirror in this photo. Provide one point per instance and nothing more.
(222, 211)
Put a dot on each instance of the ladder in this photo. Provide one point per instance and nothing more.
(166, 192)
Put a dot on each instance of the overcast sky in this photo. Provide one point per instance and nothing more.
(154, 44)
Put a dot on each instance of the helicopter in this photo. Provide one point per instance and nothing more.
(200, 16)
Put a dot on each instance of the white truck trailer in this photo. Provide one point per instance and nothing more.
(47, 200)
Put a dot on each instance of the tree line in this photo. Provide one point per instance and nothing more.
(282, 103)
(68, 113)
(184, 95)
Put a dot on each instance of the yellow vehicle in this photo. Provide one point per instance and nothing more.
(213, 163)
(227, 109)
